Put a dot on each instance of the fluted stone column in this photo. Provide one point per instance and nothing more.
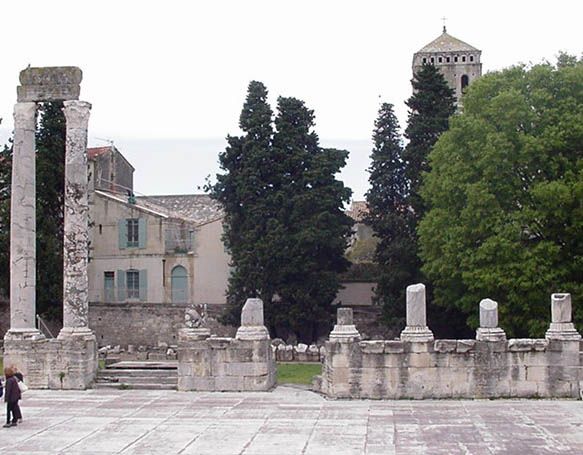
(76, 230)
(23, 226)
(489, 330)
(416, 329)
(562, 327)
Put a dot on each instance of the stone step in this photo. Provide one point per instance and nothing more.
(133, 386)
(143, 365)
(138, 379)
(137, 372)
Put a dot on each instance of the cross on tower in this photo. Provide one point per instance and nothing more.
(444, 19)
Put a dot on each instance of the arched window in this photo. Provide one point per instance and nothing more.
(465, 82)
(463, 58)
(432, 60)
(424, 60)
(447, 59)
(440, 60)
(179, 284)
(455, 59)
(471, 58)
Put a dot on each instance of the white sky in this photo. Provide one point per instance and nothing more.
(167, 80)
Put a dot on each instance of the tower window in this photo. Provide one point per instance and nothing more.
(463, 58)
(447, 59)
(471, 58)
(424, 60)
(465, 81)
(432, 60)
(440, 59)
(455, 59)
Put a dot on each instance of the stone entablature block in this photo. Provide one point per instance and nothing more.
(54, 83)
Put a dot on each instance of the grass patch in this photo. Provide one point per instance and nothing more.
(101, 364)
(297, 373)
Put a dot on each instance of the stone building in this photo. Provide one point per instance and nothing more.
(459, 62)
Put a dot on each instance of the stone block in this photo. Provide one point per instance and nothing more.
(464, 346)
(521, 344)
(372, 347)
(445, 345)
(488, 314)
(219, 342)
(285, 353)
(421, 360)
(394, 346)
(247, 369)
(252, 313)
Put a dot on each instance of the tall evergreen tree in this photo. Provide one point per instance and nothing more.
(310, 201)
(431, 105)
(390, 217)
(284, 225)
(5, 182)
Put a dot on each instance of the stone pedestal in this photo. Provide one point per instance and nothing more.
(344, 331)
(562, 327)
(489, 330)
(252, 325)
(416, 329)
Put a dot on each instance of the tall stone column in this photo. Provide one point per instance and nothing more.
(416, 329)
(76, 230)
(23, 226)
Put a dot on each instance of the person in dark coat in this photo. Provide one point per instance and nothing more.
(11, 397)
(18, 375)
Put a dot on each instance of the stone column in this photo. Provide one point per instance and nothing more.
(489, 330)
(562, 327)
(252, 325)
(76, 229)
(23, 226)
(416, 329)
(344, 330)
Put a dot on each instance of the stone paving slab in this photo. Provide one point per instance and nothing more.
(286, 421)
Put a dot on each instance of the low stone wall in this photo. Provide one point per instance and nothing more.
(243, 363)
(60, 363)
(145, 324)
(517, 368)
(417, 366)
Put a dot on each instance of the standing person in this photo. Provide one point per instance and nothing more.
(20, 377)
(11, 398)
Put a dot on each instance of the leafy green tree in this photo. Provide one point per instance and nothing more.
(505, 197)
(430, 107)
(5, 182)
(284, 225)
(390, 217)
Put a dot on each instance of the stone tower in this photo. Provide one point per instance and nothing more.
(458, 61)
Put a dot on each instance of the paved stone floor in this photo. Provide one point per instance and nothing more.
(286, 421)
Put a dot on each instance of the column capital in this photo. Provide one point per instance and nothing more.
(77, 113)
(25, 116)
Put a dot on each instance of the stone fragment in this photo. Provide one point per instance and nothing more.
(445, 345)
(58, 83)
(252, 325)
(561, 327)
(464, 346)
(416, 329)
(344, 330)
(527, 344)
(344, 316)
(489, 330)
(394, 347)
(372, 347)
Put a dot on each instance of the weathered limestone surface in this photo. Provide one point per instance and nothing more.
(49, 84)
(244, 363)
(416, 329)
(23, 225)
(562, 327)
(252, 325)
(76, 239)
(489, 330)
(492, 367)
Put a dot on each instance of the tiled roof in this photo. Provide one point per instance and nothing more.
(357, 211)
(199, 208)
(446, 43)
(94, 152)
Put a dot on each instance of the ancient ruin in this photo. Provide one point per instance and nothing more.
(70, 361)
(490, 366)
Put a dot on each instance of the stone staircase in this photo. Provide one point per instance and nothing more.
(139, 375)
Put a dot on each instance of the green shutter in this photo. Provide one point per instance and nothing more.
(143, 285)
(142, 232)
(122, 230)
(121, 285)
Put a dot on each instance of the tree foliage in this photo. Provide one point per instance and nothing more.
(5, 182)
(390, 216)
(284, 225)
(505, 197)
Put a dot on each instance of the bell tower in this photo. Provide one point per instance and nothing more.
(459, 62)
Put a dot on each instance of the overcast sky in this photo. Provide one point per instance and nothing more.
(167, 79)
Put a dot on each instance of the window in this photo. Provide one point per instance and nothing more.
(133, 284)
(179, 284)
(432, 60)
(463, 58)
(424, 60)
(447, 59)
(440, 60)
(465, 82)
(455, 59)
(133, 232)
(471, 58)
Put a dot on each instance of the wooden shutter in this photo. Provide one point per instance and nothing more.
(142, 233)
(121, 285)
(122, 230)
(143, 285)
